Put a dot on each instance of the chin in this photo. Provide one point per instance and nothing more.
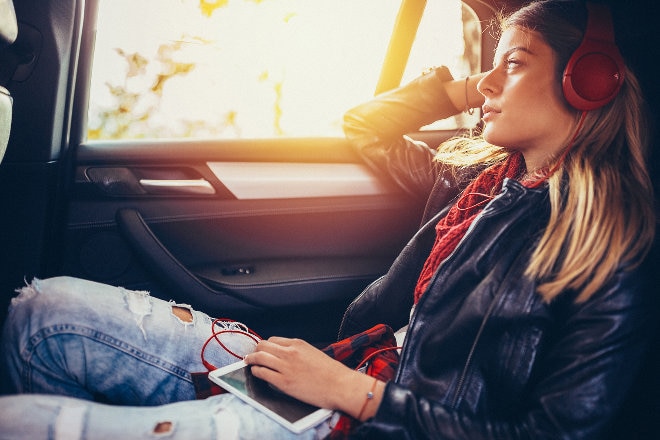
(492, 137)
(497, 137)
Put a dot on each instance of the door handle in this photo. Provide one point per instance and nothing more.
(178, 186)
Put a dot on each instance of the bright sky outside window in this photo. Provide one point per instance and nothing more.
(247, 68)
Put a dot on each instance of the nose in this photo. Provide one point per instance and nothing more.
(487, 85)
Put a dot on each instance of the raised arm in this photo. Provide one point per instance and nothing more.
(376, 128)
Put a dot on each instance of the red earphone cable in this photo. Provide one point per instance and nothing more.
(241, 329)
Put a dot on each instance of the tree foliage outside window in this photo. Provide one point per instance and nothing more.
(245, 68)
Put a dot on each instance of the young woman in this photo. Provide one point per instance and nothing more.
(521, 304)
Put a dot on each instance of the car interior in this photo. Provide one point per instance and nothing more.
(277, 231)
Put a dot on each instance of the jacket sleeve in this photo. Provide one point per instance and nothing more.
(579, 383)
(376, 129)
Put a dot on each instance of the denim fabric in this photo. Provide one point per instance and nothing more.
(223, 417)
(85, 340)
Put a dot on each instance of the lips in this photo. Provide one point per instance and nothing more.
(488, 112)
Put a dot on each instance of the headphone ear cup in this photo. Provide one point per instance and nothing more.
(592, 78)
(594, 73)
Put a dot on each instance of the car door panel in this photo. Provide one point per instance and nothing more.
(259, 227)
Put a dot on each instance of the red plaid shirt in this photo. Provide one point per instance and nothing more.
(378, 343)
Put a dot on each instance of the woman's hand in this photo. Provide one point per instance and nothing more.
(306, 373)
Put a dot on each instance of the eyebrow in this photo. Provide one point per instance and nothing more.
(512, 50)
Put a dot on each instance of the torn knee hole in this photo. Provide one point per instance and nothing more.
(163, 427)
(183, 313)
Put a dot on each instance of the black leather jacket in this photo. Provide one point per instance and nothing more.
(485, 357)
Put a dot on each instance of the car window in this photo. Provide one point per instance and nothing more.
(449, 34)
(253, 68)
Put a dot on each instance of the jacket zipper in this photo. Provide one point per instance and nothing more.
(431, 283)
(468, 361)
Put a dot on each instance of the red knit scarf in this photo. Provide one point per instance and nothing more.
(452, 227)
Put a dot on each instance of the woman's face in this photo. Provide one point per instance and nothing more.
(524, 108)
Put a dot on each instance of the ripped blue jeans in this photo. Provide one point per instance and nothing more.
(69, 344)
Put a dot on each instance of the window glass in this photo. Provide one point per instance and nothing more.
(249, 68)
(449, 34)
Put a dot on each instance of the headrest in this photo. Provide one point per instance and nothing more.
(8, 24)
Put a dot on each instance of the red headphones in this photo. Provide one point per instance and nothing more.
(594, 73)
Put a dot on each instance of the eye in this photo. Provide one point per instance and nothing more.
(512, 63)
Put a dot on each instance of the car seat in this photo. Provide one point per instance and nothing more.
(8, 34)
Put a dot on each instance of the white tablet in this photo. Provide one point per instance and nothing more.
(290, 412)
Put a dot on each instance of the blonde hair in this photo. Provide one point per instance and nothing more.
(601, 196)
